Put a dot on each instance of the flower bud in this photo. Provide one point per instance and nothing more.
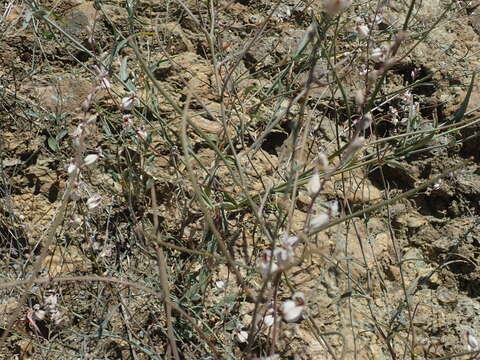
(94, 201)
(314, 185)
(359, 98)
(472, 342)
(90, 159)
(72, 169)
(323, 160)
(318, 221)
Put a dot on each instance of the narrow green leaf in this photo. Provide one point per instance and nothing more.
(53, 144)
(460, 113)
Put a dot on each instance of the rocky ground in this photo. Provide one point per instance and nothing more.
(400, 280)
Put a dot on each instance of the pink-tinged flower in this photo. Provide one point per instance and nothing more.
(241, 335)
(90, 159)
(266, 265)
(102, 78)
(142, 133)
(129, 101)
(285, 251)
(94, 201)
(127, 121)
(377, 18)
(293, 308)
(414, 73)
(78, 130)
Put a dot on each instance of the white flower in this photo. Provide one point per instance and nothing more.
(269, 319)
(266, 264)
(314, 186)
(72, 169)
(394, 113)
(56, 316)
(407, 97)
(90, 159)
(377, 18)
(39, 314)
(363, 71)
(380, 54)
(242, 336)
(362, 31)
(318, 221)
(94, 201)
(51, 301)
(438, 184)
(220, 284)
(271, 357)
(129, 101)
(292, 309)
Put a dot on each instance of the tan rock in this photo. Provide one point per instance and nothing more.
(411, 220)
(356, 192)
(63, 261)
(174, 37)
(64, 95)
